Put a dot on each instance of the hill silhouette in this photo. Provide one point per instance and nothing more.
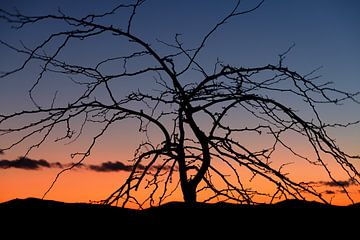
(33, 216)
(209, 214)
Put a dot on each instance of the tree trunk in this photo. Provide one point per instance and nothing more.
(189, 193)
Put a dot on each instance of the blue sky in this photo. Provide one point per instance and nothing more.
(325, 32)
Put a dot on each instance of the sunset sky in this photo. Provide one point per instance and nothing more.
(326, 34)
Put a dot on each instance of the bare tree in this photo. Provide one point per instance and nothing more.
(204, 124)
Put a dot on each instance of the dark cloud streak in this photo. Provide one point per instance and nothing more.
(330, 192)
(346, 183)
(28, 164)
(110, 167)
(31, 164)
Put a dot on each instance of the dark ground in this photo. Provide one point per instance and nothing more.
(299, 218)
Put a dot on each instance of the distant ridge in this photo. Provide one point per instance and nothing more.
(33, 213)
(40, 203)
(29, 205)
(36, 202)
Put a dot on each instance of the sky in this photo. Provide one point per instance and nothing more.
(326, 34)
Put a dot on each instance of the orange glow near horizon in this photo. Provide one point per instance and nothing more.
(81, 185)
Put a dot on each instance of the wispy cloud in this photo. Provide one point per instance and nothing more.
(330, 192)
(344, 183)
(31, 164)
(28, 164)
(112, 167)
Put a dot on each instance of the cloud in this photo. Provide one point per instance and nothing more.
(28, 164)
(346, 183)
(110, 167)
(329, 192)
(119, 166)
(31, 164)
(2, 152)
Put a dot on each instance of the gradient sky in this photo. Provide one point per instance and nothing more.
(326, 33)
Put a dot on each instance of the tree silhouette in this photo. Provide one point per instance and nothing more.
(196, 133)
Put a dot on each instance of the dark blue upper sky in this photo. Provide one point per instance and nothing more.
(326, 33)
